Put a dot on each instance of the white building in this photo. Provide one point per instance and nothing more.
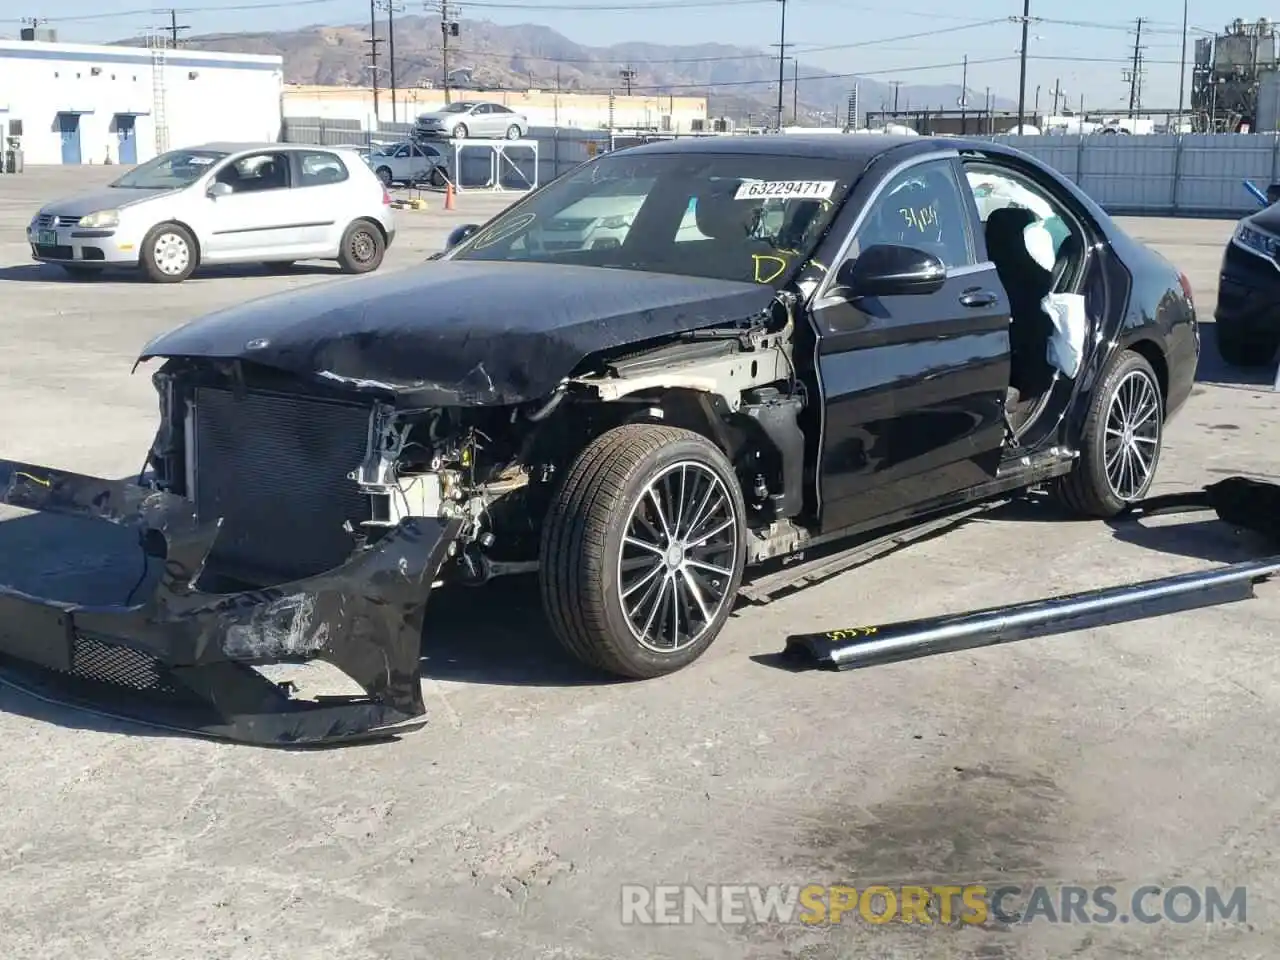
(542, 108)
(78, 103)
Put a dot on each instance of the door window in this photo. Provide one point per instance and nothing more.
(920, 207)
(320, 168)
(256, 172)
(1047, 227)
(402, 152)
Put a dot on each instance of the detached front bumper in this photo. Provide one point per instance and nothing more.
(184, 659)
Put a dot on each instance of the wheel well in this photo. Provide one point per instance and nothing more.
(1150, 351)
(195, 240)
(382, 231)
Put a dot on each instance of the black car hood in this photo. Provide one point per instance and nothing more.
(451, 332)
(1267, 219)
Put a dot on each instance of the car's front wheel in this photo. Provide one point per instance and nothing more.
(1239, 350)
(362, 248)
(1121, 442)
(168, 253)
(643, 550)
(459, 132)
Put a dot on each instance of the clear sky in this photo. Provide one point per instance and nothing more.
(1084, 45)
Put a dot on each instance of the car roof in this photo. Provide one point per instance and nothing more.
(226, 146)
(857, 148)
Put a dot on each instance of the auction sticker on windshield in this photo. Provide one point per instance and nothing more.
(786, 189)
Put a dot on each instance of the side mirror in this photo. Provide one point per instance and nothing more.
(890, 270)
(459, 234)
(217, 189)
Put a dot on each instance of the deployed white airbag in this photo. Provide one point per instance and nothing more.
(1039, 243)
(1070, 326)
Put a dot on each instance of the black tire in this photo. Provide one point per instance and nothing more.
(363, 248)
(162, 256)
(513, 132)
(582, 549)
(384, 174)
(77, 272)
(437, 177)
(459, 132)
(1238, 350)
(1091, 489)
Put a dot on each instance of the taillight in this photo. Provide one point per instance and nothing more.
(1186, 286)
(386, 198)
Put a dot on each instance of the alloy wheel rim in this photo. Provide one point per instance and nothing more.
(362, 247)
(1132, 435)
(678, 555)
(171, 254)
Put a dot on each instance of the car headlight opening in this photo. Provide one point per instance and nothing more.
(101, 219)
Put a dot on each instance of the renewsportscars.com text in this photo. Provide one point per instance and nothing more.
(974, 904)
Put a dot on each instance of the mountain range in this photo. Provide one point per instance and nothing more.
(738, 81)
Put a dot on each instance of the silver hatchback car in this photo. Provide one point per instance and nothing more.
(220, 203)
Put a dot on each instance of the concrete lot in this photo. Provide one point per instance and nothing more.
(1129, 755)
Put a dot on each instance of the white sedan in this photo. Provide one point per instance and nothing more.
(269, 203)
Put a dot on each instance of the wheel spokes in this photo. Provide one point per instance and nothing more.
(679, 552)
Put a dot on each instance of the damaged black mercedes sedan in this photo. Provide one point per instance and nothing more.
(673, 363)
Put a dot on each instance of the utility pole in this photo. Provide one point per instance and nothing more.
(1134, 72)
(373, 42)
(1022, 64)
(1182, 69)
(782, 59)
(895, 84)
(392, 8)
(174, 27)
(448, 28)
(964, 96)
(795, 90)
(627, 75)
(1057, 95)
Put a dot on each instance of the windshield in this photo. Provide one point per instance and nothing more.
(457, 108)
(171, 170)
(755, 219)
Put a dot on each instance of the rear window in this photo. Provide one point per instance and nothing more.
(321, 168)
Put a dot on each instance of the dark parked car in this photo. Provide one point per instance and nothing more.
(1247, 317)
(794, 340)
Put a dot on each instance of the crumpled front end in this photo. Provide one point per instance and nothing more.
(188, 660)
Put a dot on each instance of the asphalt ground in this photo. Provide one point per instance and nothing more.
(1130, 755)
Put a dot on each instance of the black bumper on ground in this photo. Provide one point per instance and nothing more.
(184, 659)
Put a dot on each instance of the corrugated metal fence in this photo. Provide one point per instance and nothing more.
(1188, 175)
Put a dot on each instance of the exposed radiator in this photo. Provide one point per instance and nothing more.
(275, 468)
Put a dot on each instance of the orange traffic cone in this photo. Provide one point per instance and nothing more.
(448, 196)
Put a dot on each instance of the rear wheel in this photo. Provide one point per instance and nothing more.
(437, 178)
(1239, 350)
(643, 550)
(1121, 443)
(168, 254)
(362, 248)
(513, 132)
